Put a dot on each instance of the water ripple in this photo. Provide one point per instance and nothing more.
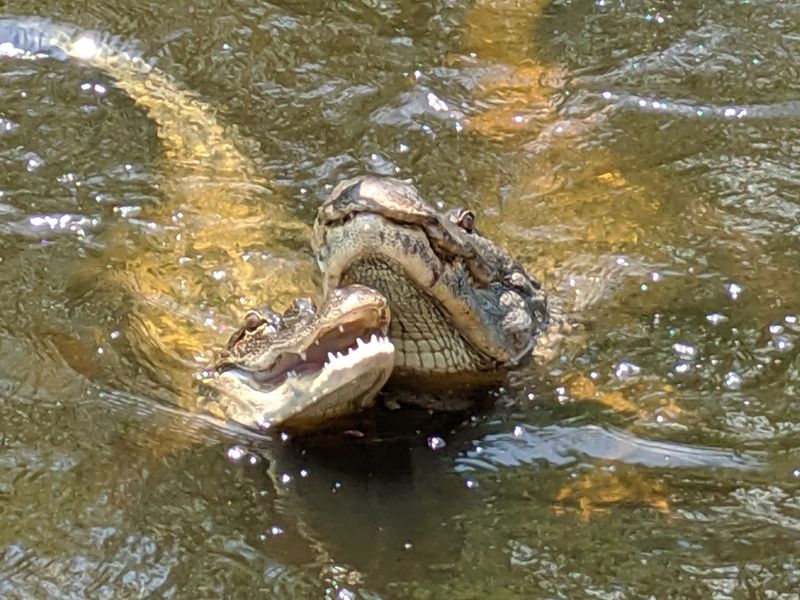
(563, 446)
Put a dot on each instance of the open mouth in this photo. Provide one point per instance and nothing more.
(338, 348)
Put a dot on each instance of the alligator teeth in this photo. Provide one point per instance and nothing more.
(316, 342)
(341, 328)
(331, 357)
(360, 342)
(291, 374)
(303, 355)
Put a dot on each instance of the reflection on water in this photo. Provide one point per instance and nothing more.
(640, 159)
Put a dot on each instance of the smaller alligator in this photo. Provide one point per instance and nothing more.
(308, 368)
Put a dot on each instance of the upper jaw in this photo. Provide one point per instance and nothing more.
(489, 298)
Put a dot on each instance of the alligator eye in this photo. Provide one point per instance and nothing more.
(466, 221)
(253, 320)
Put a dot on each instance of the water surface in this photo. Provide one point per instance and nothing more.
(640, 158)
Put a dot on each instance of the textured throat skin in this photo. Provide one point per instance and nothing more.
(424, 338)
(463, 311)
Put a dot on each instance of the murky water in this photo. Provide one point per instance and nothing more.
(641, 158)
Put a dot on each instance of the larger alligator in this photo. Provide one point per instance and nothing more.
(463, 311)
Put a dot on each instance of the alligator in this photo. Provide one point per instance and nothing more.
(463, 311)
(307, 368)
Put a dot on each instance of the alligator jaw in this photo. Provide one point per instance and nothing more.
(344, 385)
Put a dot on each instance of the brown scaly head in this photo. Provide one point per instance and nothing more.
(463, 310)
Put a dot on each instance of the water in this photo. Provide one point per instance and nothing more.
(640, 158)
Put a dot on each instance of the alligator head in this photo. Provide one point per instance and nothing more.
(463, 311)
(306, 368)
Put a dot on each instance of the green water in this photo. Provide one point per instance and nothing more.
(646, 171)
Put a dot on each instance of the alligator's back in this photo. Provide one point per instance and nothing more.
(194, 139)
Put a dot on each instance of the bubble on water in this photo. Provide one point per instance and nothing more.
(791, 319)
(436, 443)
(85, 48)
(716, 318)
(236, 453)
(345, 594)
(471, 484)
(408, 546)
(6, 125)
(275, 531)
(285, 478)
(625, 369)
(734, 290)
(519, 430)
(776, 329)
(684, 351)
(733, 381)
(783, 344)
(561, 395)
(33, 161)
(682, 368)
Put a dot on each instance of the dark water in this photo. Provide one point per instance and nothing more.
(641, 158)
